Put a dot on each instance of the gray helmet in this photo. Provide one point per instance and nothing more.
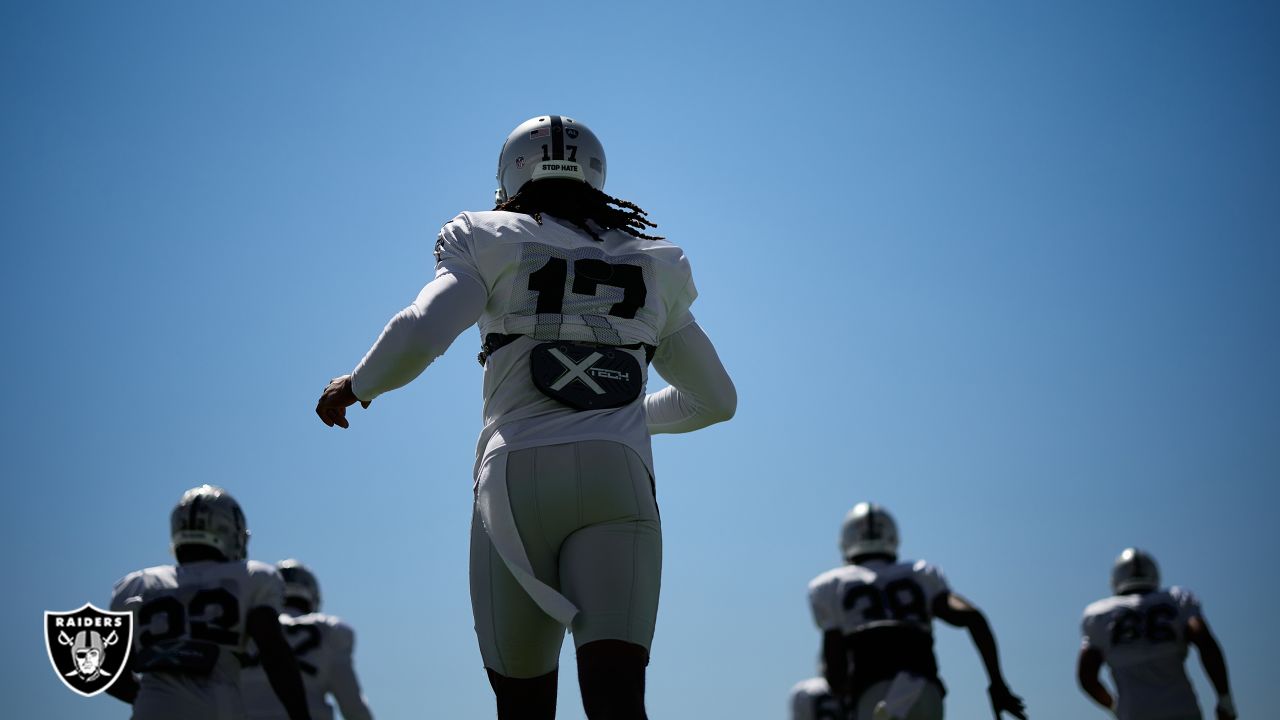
(209, 516)
(549, 146)
(868, 529)
(300, 582)
(1134, 571)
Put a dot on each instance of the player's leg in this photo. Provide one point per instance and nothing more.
(611, 569)
(520, 644)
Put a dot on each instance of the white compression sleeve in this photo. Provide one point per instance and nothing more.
(700, 391)
(419, 334)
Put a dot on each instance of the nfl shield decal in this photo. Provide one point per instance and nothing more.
(88, 647)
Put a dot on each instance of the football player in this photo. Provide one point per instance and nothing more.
(191, 621)
(876, 615)
(812, 700)
(1142, 633)
(323, 646)
(574, 301)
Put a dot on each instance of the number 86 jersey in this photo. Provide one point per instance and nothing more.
(853, 598)
(553, 282)
(1143, 637)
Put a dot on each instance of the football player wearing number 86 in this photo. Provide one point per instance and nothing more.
(192, 621)
(1142, 633)
(574, 301)
(876, 615)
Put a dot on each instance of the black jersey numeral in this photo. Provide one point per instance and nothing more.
(211, 616)
(900, 600)
(1155, 624)
(589, 274)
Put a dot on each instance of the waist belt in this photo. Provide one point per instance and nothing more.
(494, 342)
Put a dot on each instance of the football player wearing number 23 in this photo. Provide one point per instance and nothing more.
(574, 300)
(193, 621)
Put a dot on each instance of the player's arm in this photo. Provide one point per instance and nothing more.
(345, 687)
(1088, 666)
(700, 391)
(415, 337)
(1215, 664)
(277, 660)
(959, 612)
(126, 687)
(835, 662)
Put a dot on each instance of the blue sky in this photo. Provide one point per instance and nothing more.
(1011, 269)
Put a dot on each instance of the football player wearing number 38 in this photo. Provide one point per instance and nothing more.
(1142, 632)
(876, 615)
(574, 301)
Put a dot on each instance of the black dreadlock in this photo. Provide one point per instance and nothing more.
(578, 202)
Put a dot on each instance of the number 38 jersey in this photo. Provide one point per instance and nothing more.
(552, 281)
(1143, 638)
(189, 626)
(883, 610)
(853, 598)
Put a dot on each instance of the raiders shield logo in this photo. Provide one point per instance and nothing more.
(88, 647)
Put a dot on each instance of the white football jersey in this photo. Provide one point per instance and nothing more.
(554, 282)
(855, 597)
(1143, 638)
(324, 647)
(189, 628)
(812, 700)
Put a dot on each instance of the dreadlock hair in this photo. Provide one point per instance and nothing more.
(578, 202)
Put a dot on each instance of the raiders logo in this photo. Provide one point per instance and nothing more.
(88, 647)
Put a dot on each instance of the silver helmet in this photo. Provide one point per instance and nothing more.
(549, 146)
(868, 529)
(209, 516)
(1134, 571)
(300, 582)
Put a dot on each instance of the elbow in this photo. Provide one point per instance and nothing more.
(725, 405)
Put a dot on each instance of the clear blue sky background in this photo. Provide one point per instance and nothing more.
(1012, 269)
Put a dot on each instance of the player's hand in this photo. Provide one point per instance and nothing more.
(1003, 700)
(334, 401)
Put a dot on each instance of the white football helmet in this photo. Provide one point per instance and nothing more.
(300, 582)
(1134, 571)
(549, 146)
(209, 516)
(868, 529)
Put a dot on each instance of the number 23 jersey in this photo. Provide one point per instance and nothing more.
(552, 281)
(190, 620)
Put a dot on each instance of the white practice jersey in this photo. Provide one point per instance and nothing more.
(324, 647)
(812, 700)
(190, 625)
(554, 282)
(851, 598)
(1143, 638)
